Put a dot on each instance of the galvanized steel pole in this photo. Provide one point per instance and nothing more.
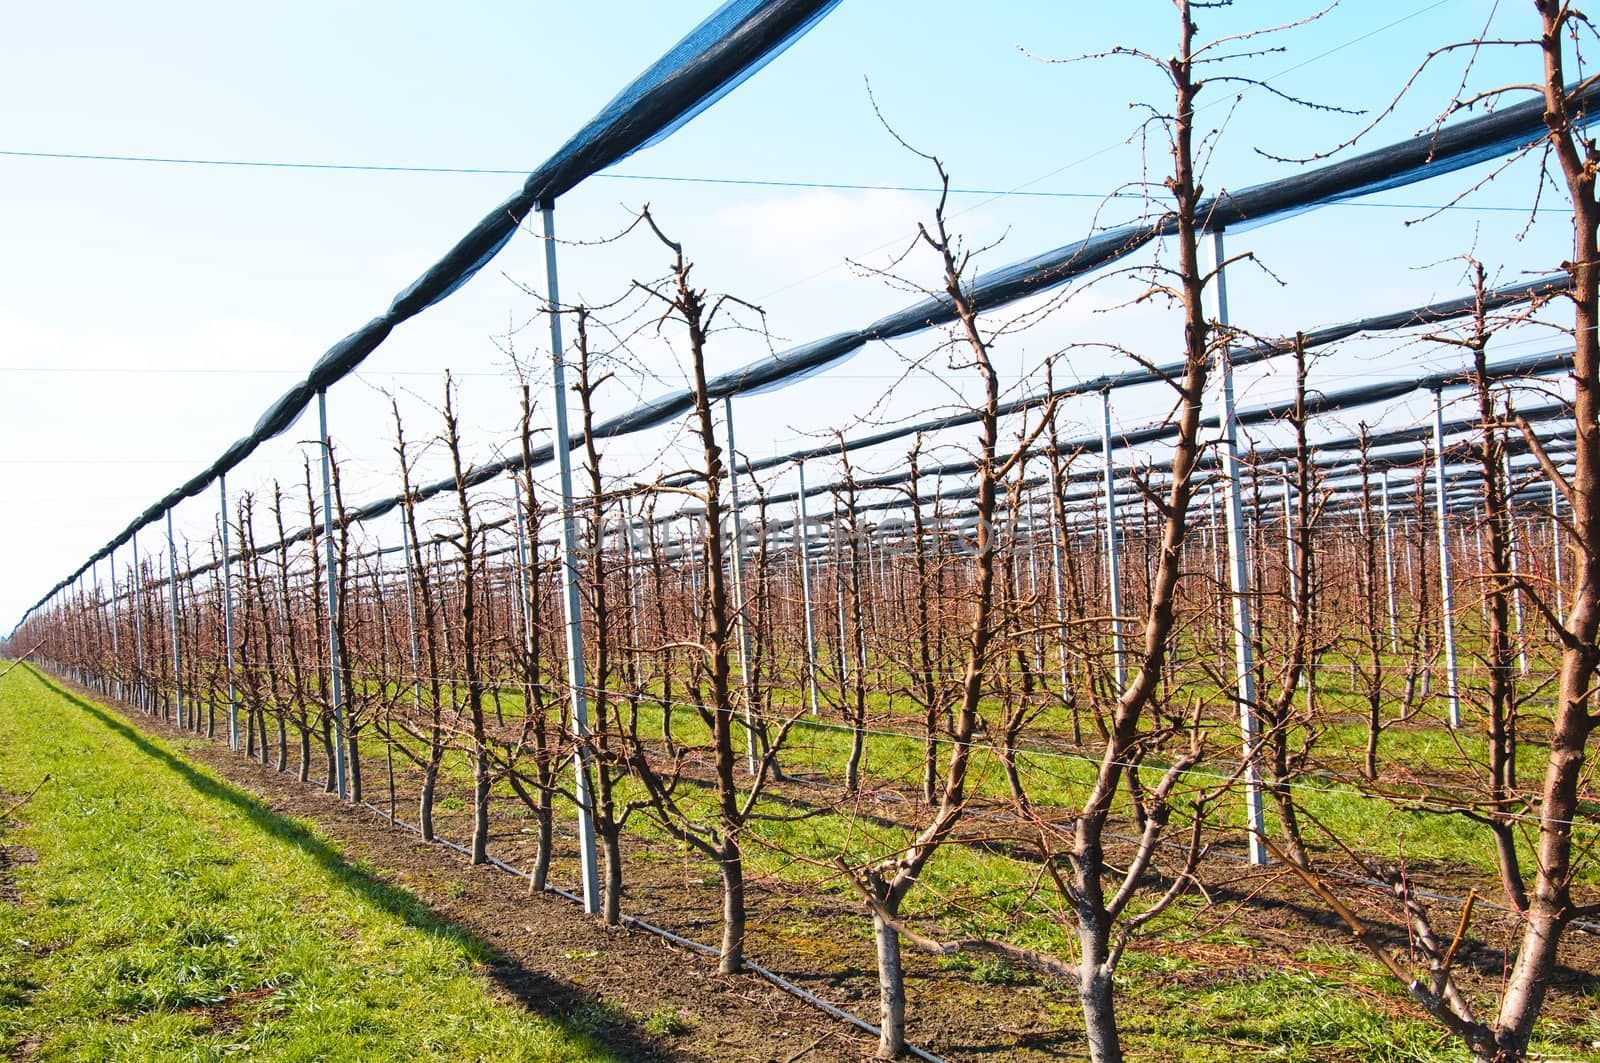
(116, 649)
(1057, 536)
(1556, 544)
(571, 604)
(1113, 563)
(411, 606)
(1388, 564)
(1290, 553)
(227, 617)
(838, 584)
(172, 596)
(1292, 557)
(738, 590)
(1215, 528)
(335, 666)
(1239, 575)
(804, 540)
(1511, 551)
(522, 581)
(137, 591)
(1453, 691)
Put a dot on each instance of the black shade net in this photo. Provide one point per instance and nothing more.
(718, 54)
(734, 42)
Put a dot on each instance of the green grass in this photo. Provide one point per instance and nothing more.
(1171, 1007)
(170, 916)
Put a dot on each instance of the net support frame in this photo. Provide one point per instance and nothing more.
(1446, 602)
(1238, 572)
(227, 615)
(331, 563)
(571, 600)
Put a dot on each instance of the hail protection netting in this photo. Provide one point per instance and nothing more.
(715, 57)
(697, 65)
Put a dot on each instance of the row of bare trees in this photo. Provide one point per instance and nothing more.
(980, 624)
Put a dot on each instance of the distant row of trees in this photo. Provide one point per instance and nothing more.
(980, 625)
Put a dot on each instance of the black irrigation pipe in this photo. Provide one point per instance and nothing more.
(769, 975)
(999, 817)
(994, 817)
(838, 1013)
(677, 939)
(1348, 876)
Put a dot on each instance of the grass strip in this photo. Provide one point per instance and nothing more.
(151, 911)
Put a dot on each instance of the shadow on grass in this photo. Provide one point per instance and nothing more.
(577, 1014)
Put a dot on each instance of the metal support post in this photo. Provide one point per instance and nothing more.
(227, 618)
(743, 626)
(137, 590)
(1033, 575)
(1556, 544)
(1511, 552)
(411, 608)
(803, 541)
(117, 688)
(1058, 558)
(1113, 550)
(1217, 574)
(72, 601)
(172, 596)
(335, 667)
(633, 553)
(525, 599)
(1239, 576)
(838, 585)
(1388, 563)
(1290, 554)
(1479, 516)
(1452, 690)
(571, 603)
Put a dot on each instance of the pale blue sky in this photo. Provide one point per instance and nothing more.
(148, 313)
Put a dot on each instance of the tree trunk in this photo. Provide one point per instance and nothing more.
(611, 907)
(852, 767)
(1099, 1012)
(430, 780)
(730, 864)
(891, 990)
(546, 827)
(329, 754)
(480, 803)
(353, 745)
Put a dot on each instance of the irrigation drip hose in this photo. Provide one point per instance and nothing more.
(993, 817)
(677, 939)
(838, 1013)
(716, 57)
(770, 976)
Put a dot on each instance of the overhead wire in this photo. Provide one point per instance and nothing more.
(696, 179)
